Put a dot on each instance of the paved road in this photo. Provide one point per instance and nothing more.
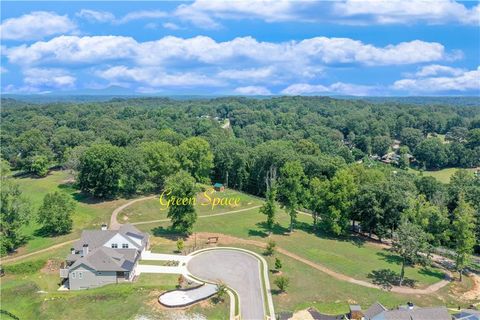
(239, 270)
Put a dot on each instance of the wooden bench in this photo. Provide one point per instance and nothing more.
(212, 240)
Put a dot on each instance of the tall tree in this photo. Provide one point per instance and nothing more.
(196, 158)
(292, 190)
(180, 190)
(338, 201)
(463, 234)
(269, 207)
(101, 168)
(15, 212)
(160, 161)
(410, 242)
(55, 214)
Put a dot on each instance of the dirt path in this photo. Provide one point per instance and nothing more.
(474, 293)
(226, 240)
(16, 258)
(114, 224)
(200, 217)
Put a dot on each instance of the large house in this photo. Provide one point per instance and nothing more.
(408, 312)
(103, 257)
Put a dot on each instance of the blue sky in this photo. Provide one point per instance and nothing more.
(351, 47)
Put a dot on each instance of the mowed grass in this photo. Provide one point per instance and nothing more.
(442, 175)
(350, 255)
(88, 214)
(311, 287)
(35, 296)
(152, 209)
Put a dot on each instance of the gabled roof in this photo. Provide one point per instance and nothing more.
(218, 185)
(437, 313)
(102, 259)
(374, 310)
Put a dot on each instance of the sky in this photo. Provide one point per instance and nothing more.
(214, 47)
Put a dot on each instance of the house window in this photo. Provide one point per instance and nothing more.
(74, 275)
(80, 275)
(125, 245)
(114, 245)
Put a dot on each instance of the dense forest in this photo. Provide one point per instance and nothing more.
(311, 153)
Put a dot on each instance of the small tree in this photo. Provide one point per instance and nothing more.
(411, 243)
(55, 214)
(269, 207)
(463, 230)
(180, 245)
(270, 247)
(221, 291)
(278, 264)
(282, 283)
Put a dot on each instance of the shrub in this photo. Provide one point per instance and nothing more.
(278, 264)
(180, 245)
(282, 283)
(270, 247)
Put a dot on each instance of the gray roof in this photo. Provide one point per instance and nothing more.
(102, 258)
(437, 313)
(374, 310)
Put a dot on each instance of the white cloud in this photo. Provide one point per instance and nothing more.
(156, 77)
(407, 11)
(253, 91)
(336, 88)
(466, 81)
(35, 25)
(51, 78)
(436, 69)
(171, 26)
(3, 69)
(143, 14)
(247, 50)
(95, 16)
(251, 75)
(203, 12)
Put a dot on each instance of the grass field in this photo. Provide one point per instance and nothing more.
(350, 256)
(88, 213)
(35, 296)
(151, 209)
(443, 175)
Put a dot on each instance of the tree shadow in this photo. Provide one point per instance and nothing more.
(390, 257)
(387, 278)
(321, 232)
(276, 292)
(264, 232)
(167, 233)
(432, 273)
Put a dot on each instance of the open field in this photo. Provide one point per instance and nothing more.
(311, 287)
(443, 175)
(151, 209)
(350, 256)
(35, 296)
(88, 213)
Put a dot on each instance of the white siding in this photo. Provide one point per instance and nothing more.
(119, 240)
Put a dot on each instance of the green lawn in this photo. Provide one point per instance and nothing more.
(88, 213)
(151, 209)
(35, 296)
(443, 175)
(350, 256)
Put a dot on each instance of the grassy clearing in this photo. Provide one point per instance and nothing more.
(443, 175)
(151, 209)
(88, 214)
(35, 296)
(350, 256)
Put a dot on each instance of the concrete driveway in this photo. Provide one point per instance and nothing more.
(239, 270)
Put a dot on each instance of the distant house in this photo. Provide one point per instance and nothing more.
(409, 312)
(103, 257)
(218, 187)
